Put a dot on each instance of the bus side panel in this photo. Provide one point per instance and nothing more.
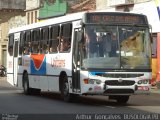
(34, 81)
(10, 69)
(43, 83)
(56, 63)
(20, 81)
(53, 83)
(23, 65)
(45, 74)
(84, 87)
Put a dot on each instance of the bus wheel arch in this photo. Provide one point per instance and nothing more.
(64, 87)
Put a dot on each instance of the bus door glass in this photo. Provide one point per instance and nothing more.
(15, 58)
(76, 61)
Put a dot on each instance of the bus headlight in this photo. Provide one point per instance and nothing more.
(143, 82)
(140, 82)
(91, 81)
(94, 81)
(98, 81)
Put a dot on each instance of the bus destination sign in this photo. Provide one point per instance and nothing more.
(115, 18)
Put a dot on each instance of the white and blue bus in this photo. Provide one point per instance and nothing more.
(90, 53)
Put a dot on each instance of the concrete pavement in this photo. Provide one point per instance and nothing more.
(4, 85)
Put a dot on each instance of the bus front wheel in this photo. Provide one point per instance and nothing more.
(120, 99)
(65, 90)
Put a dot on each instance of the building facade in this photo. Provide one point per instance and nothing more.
(32, 10)
(8, 9)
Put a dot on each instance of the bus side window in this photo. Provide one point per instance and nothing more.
(27, 42)
(21, 45)
(10, 45)
(35, 40)
(65, 38)
(43, 47)
(54, 39)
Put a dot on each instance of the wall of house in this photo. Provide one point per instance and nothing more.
(101, 4)
(4, 29)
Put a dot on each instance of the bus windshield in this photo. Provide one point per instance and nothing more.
(116, 47)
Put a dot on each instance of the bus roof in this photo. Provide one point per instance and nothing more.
(62, 19)
(66, 18)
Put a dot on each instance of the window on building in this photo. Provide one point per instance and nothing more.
(28, 18)
(35, 16)
(32, 17)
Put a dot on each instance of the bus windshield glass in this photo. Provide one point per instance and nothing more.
(116, 47)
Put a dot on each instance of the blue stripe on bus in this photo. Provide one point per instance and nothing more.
(95, 73)
(41, 70)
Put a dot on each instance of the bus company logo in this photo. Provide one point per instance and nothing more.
(38, 64)
(120, 80)
(57, 63)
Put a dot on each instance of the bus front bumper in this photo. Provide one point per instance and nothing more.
(118, 90)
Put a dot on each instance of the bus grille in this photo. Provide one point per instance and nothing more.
(119, 91)
(117, 83)
(116, 75)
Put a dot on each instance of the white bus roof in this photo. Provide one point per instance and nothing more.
(69, 17)
(62, 19)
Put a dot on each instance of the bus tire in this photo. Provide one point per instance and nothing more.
(120, 99)
(26, 88)
(65, 90)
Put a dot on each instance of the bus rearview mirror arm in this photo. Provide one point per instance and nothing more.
(151, 36)
(80, 35)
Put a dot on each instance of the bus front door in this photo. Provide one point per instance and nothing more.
(76, 61)
(15, 58)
